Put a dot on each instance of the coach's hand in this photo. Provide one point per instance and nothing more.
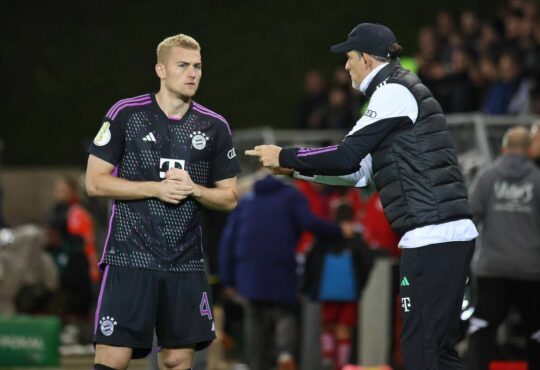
(182, 176)
(268, 155)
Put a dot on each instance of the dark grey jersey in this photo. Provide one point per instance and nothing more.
(143, 143)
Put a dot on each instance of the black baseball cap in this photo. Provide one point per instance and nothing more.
(370, 38)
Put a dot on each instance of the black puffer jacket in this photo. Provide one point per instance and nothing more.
(415, 167)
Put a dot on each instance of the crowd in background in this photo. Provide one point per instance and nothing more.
(470, 63)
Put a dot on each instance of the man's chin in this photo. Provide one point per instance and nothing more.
(186, 95)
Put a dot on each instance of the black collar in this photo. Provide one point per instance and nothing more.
(380, 77)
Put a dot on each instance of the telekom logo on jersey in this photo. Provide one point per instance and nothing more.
(166, 164)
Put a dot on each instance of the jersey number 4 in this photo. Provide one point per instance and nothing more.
(205, 306)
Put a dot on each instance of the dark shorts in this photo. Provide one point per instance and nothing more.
(134, 302)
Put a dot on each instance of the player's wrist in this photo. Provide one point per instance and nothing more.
(197, 191)
(149, 189)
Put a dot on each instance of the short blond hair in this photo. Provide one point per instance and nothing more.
(180, 40)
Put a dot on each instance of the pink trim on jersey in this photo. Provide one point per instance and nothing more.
(98, 307)
(127, 100)
(135, 104)
(113, 211)
(201, 109)
(106, 247)
(174, 118)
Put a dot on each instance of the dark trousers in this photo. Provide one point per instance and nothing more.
(432, 285)
(271, 329)
(495, 297)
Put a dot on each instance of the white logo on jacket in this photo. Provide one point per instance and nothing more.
(406, 304)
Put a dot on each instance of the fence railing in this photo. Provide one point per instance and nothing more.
(477, 138)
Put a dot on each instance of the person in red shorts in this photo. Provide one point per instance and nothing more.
(338, 292)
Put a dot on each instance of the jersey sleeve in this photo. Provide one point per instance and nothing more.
(224, 164)
(109, 141)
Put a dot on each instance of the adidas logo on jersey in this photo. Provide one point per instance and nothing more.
(150, 137)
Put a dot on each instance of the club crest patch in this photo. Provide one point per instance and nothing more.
(198, 140)
(104, 135)
(107, 324)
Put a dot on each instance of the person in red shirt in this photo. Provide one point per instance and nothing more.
(78, 219)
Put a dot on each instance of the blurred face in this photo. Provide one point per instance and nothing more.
(488, 70)
(313, 82)
(357, 67)
(337, 98)
(508, 69)
(460, 60)
(181, 72)
(427, 41)
(62, 191)
(469, 23)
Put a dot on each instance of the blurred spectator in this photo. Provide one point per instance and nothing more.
(491, 35)
(534, 151)
(336, 274)
(355, 98)
(487, 72)
(28, 275)
(258, 267)
(74, 298)
(462, 94)
(506, 203)
(444, 28)
(513, 35)
(470, 29)
(315, 97)
(337, 113)
(78, 220)
(431, 67)
(510, 93)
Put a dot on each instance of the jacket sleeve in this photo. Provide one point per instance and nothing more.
(359, 179)
(309, 221)
(227, 246)
(337, 160)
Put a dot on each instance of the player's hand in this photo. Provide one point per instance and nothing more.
(282, 171)
(268, 155)
(172, 191)
(182, 176)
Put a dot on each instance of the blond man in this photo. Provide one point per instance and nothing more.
(161, 158)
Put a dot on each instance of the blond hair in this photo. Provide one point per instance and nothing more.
(180, 40)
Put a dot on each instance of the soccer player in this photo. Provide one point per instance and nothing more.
(161, 158)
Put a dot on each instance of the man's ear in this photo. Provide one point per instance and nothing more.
(160, 71)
